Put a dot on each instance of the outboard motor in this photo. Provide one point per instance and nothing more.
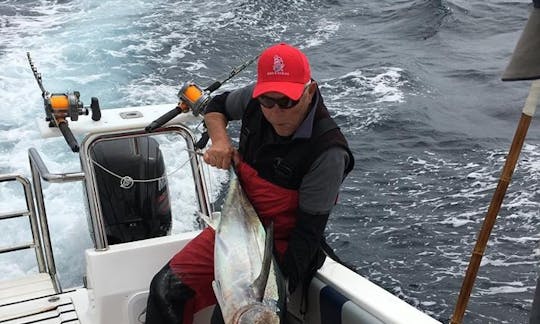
(140, 210)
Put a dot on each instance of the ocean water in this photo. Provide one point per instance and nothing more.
(414, 85)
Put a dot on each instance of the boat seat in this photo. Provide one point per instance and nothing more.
(28, 287)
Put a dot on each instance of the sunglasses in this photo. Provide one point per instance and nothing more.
(283, 102)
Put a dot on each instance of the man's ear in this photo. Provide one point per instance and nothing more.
(312, 87)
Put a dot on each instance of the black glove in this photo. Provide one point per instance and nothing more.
(304, 254)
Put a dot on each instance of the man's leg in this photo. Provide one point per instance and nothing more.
(184, 286)
(167, 298)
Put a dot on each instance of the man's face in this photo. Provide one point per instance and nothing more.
(285, 121)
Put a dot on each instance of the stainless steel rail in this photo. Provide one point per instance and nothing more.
(30, 212)
(39, 171)
(94, 204)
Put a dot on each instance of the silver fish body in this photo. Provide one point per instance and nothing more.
(246, 278)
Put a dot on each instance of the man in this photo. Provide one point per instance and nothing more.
(291, 161)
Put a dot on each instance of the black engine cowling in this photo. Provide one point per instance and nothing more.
(143, 210)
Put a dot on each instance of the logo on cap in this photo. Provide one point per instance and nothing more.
(278, 67)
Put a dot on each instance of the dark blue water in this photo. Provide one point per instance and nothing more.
(415, 86)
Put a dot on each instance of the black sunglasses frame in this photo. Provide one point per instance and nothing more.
(283, 102)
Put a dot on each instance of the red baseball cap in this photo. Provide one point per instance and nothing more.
(282, 68)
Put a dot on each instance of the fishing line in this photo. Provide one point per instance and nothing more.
(209, 181)
(236, 70)
(127, 182)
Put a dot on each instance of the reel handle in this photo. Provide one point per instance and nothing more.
(68, 136)
(163, 119)
(94, 106)
(202, 141)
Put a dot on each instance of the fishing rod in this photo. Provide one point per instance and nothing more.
(194, 98)
(60, 106)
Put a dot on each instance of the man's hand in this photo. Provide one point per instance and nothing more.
(220, 155)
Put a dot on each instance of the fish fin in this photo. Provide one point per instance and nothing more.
(259, 285)
(212, 221)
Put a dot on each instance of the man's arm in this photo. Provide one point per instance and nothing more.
(221, 151)
(224, 107)
(318, 194)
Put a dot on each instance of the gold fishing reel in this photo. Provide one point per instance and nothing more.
(192, 97)
(59, 106)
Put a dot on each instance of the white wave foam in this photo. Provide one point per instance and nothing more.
(324, 29)
(510, 289)
(456, 222)
(366, 95)
(83, 46)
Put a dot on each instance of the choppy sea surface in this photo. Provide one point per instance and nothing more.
(414, 85)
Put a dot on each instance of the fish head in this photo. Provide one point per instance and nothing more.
(257, 313)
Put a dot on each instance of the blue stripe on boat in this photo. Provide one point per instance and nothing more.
(331, 302)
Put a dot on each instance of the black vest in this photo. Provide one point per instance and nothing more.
(286, 162)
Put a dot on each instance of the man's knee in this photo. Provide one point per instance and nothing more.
(167, 298)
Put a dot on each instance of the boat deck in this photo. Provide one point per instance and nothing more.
(29, 287)
(31, 300)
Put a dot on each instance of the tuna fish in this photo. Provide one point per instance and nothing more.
(246, 281)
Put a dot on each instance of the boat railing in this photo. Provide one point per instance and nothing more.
(44, 257)
(40, 172)
(91, 187)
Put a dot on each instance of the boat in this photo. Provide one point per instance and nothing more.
(119, 270)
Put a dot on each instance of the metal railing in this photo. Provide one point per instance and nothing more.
(94, 204)
(39, 224)
(39, 171)
(30, 212)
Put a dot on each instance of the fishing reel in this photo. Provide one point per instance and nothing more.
(194, 98)
(60, 106)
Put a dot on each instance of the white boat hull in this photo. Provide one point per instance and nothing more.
(118, 276)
